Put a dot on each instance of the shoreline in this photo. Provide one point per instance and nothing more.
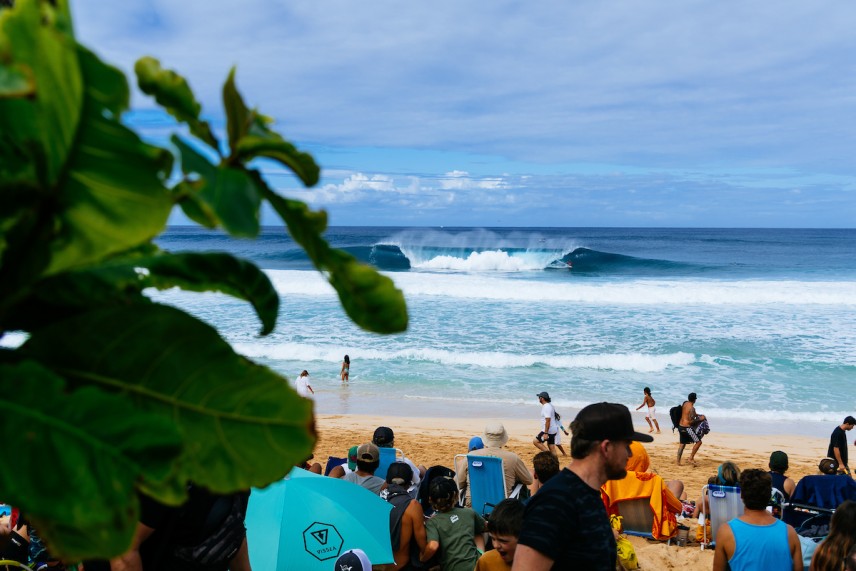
(338, 400)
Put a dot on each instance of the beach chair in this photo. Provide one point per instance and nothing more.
(814, 501)
(725, 504)
(387, 457)
(486, 478)
(637, 517)
(647, 507)
(332, 462)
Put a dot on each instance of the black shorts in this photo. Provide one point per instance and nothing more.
(545, 437)
(688, 435)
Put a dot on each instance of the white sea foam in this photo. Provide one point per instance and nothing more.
(636, 362)
(493, 260)
(631, 292)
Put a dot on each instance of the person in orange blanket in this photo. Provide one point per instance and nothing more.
(638, 483)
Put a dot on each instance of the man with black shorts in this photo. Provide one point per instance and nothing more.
(546, 439)
(687, 428)
(565, 525)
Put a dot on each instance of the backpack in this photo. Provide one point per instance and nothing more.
(221, 535)
(675, 414)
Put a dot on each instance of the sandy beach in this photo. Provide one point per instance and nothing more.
(433, 441)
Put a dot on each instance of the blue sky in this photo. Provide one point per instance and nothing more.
(586, 113)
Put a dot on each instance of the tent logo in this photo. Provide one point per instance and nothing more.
(322, 541)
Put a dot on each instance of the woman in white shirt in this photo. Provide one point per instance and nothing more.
(302, 385)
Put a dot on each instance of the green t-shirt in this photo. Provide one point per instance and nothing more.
(454, 530)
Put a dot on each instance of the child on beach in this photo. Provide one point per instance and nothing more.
(650, 415)
(454, 530)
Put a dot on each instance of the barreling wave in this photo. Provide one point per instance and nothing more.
(631, 362)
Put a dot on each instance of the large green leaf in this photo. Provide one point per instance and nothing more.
(369, 298)
(172, 92)
(114, 195)
(229, 194)
(241, 423)
(42, 94)
(73, 459)
(237, 114)
(121, 283)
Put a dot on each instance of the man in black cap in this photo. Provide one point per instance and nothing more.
(565, 524)
(384, 437)
(546, 439)
(838, 444)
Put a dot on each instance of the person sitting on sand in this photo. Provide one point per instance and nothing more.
(841, 539)
(503, 526)
(778, 466)
(665, 497)
(406, 520)
(727, 474)
(756, 539)
(384, 437)
(545, 466)
(650, 416)
(368, 460)
(494, 438)
(455, 531)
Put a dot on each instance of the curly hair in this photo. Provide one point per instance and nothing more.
(756, 486)
(841, 539)
(443, 494)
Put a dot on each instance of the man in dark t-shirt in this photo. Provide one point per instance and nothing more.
(565, 525)
(838, 444)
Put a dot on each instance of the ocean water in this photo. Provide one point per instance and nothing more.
(760, 323)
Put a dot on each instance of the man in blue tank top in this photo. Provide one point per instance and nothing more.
(756, 540)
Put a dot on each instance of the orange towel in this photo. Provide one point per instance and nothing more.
(664, 504)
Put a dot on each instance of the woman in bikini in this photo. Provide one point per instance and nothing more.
(346, 365)
(650, 416)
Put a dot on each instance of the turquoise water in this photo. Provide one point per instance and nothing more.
(759, 323)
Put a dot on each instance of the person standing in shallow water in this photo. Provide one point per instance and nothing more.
(651, 414)
(346, 365)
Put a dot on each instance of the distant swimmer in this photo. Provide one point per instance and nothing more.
(346, 366)
(650, 415)
(570, 266)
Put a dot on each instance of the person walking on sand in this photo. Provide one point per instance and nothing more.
(687, 428)
(546, 439)
(346, 366)
(650, 415)
(302, 385)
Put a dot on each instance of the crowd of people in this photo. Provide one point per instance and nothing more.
(562, 520)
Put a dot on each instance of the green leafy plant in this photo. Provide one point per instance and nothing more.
(111, 393)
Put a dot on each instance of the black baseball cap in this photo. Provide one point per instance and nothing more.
(607, 421)
(383, 436)
(544, 395)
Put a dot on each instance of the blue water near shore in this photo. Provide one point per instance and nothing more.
(761, 323)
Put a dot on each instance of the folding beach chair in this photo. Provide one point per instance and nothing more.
(486, 478)
(725, 504)
(637, 517)
(387, 457)
(814, 501)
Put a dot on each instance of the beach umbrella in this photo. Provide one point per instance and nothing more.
(305, 521)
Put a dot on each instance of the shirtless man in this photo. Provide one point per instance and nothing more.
(686, 430)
